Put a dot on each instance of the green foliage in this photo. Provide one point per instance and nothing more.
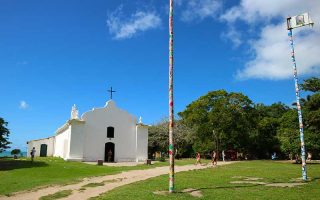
(288, 133)
(311, 84)
(263, 139)
(158, 138)
(312, 112)
(161, 159)
(4, 134)
(15, 151)
(311, 115)
(221, 120)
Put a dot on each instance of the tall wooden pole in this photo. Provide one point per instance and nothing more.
(295, 76)
(171, 111)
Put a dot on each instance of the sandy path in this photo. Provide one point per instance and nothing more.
(110, 182)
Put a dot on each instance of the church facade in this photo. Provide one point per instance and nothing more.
(106, 133)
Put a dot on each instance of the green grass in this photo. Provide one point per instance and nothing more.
(57, 195)
(21, 174)
(214, 183)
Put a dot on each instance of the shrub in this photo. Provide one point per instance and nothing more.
(161, 159)
(15, 151)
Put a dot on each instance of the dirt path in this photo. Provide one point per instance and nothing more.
(109, 182)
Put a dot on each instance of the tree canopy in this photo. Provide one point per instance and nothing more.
(311, 84)
(4, 134)
(221, 120)
(15, 151)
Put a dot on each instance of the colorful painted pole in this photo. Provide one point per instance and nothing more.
(171, 111)
(295, 75)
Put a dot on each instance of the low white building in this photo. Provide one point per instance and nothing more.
(107, 133)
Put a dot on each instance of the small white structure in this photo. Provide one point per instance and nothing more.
(107, 133)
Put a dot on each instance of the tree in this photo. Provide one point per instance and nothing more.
(159, 141)
(311, 84)
(264, 140)
(311, 105)
(158, 137)
(288, 133)
(219, 115)
(4, 133)
(311, 114)
(15, 151)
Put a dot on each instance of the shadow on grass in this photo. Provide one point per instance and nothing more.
(221, 187)
(315, 162)
(236, 186)
(8, 164)
(314, 179)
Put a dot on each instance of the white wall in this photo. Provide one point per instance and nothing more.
(95, 128)
(37, 144)
(142, 143)
(62, 143)
(77, 140)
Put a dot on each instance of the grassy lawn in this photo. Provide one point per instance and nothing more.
(215, 183)
(21, 174)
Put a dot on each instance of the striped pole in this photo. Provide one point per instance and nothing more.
(171, 112)
(295, 75)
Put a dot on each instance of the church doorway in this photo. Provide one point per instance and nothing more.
(43, 150)
(109, 152)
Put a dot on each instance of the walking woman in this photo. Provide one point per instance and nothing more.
(214, 158)
(198, 158)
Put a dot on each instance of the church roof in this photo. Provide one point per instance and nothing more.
(40, 139)
(67, 124)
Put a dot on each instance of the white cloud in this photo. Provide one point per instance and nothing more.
(233, 35)
(140, 21)
(253, 11)
(272, 59)
(200, 9)
(271, 50)
(23, 105)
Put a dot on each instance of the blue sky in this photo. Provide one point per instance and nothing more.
(58, 53)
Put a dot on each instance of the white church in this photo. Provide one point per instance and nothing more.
(106, 133)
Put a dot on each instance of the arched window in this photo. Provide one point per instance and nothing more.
(110, 132)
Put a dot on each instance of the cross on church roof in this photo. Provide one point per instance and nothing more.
(111, 91)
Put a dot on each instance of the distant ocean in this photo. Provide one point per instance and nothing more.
(8, 154)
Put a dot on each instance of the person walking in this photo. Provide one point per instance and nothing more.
(198, 158)
(223, 155)
(32, 153)
(214, 158)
